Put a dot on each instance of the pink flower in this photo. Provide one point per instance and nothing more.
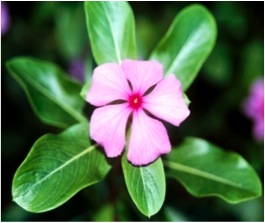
(5, 19)
(77, 69)
(254, 108)
(135, 89)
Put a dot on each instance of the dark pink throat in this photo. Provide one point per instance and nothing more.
(135, 101)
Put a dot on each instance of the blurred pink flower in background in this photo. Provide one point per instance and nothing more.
(254, 108)
(135, 89)
(5, 19)
(76, 69)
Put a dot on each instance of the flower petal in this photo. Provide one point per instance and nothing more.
(258, 130)
(166, 101)
(108, 84)
(148, 139)
(142, 74)
(108, 127)
(254, 104)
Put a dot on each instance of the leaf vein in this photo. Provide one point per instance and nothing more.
(203, 174)
(89, 149)
(45, 92)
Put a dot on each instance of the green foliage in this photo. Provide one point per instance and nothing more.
(252, 62)
(59, 166)
(105, 213)
(85, 89)
(111, 31)
(146, 185)
(206, 170)
(53, 96)
(56, 168)
(71, 31)
(187, 44)
(218, 67)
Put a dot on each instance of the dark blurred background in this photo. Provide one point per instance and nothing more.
(56, 31)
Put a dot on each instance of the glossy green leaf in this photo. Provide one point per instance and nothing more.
(56, 168)
(85, 89)
(206, 170)
(111, 31)
(146, 185)
(187, 43)
(70, 30)
(54, 97)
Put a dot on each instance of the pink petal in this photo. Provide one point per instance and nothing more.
(109, 83)
(108, 127)
(148, 139)
(166, 101)
(254, 104)
(258, 130)
(142, 74)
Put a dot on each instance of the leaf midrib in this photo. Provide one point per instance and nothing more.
(200, 173)
(68, 162)
(144, 188)
(185, 45)
(45, 92)
(117, 51)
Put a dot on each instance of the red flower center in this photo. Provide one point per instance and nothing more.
(135, 101)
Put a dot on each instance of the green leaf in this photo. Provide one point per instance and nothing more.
(56, 168)
(70, 30)
(187, 43)
(206, 170)
(173, 214)
(186, 99)
(146, 185)
(53, 96)
(105, 213)
(111, 31)
(85, 89)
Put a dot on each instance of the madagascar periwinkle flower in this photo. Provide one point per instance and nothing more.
(138, 90)
(254, 108)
